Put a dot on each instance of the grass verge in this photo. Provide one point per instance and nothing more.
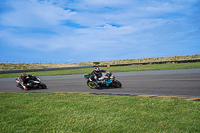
(112, 69)
(61, 112)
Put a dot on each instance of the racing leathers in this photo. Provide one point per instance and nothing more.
(94, 76)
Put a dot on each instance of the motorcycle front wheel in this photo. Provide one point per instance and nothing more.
(42, 86)
(92, 85)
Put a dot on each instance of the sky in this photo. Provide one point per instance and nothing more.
(60, 31)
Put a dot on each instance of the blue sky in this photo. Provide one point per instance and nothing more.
(71, 31)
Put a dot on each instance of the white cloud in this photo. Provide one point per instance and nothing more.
(34, 14)
(106, 26)
(124, 26)
(106, 2)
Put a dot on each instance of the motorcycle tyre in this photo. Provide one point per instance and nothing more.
(42, 86)
(45, 87)
(117, 84)
(92, 85)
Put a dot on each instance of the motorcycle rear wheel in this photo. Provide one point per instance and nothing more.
(117, 84)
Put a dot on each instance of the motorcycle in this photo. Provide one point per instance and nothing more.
(104, 80)
(33, 82)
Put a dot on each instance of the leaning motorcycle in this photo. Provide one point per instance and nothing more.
(105, 80)
(33, 82)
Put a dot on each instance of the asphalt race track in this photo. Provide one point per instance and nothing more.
(180, 82)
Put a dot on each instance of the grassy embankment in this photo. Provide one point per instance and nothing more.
(53, 112)
(17, 66)
(112, 69)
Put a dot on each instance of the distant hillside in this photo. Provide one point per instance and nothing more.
(144, 60)
(17, 66)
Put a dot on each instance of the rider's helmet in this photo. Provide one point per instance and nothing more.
(96, 70)
(24, 75)
(107, 72)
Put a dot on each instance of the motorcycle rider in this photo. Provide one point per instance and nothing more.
(95, 74)
(23, 80)
(108, 75)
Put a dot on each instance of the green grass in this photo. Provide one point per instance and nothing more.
(61, 112)
(112, 69)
